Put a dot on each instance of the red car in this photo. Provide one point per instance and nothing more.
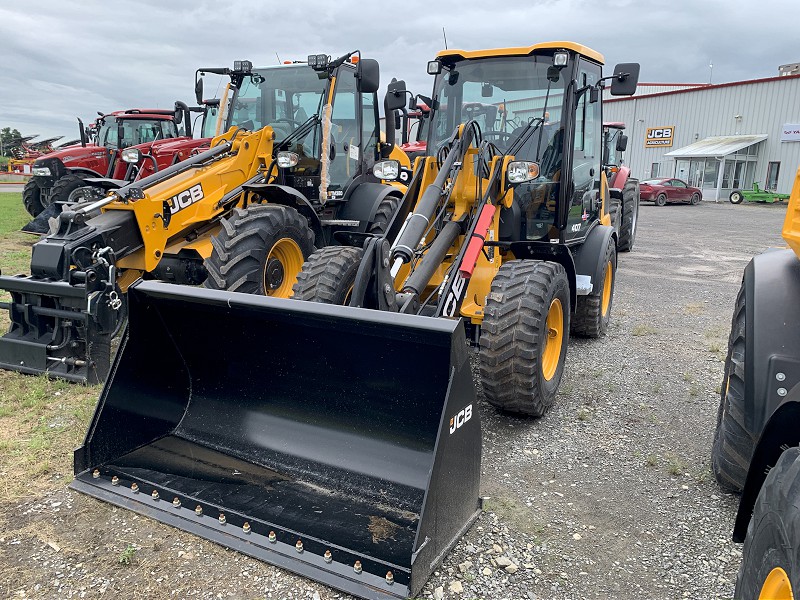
(666, 190)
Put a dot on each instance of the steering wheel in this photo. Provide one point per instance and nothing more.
(500, 136)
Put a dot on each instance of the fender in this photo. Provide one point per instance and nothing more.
(363, 200)
(84, 172)
(288, 196)
(772, 333)
(620, 179)
(781, 432)
(590, 254)
(545, 251)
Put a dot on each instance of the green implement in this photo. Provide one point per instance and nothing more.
(756, 195)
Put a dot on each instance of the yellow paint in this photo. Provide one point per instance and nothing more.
(288, 253)
(608, 286)
(222, 115)
(791, 224)
(554, 339)
(524, 51)
(777, 586)
(605, 215)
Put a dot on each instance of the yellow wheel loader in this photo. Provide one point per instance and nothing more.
(295, 174)
(342, 443)
(755, 447)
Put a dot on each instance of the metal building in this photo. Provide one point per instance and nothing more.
(717, 137)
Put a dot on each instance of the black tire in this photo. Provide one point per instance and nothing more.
(733, 443)
(259, 250)
(32, 197)
(736, 197)
(773, 536)
(328, 275)
(63, 187)
(593, 312)
(695, 199)
(520, 373)
(384, 214)
(661, 199)
(615, 212)
(630, 215)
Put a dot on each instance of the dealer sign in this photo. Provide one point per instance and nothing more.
(659, 136)
(790, 132)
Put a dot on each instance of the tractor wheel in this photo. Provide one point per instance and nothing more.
(661, 200)
(615, 212)
(593, 312)
(524, 336)
(64, 187)
(736, 197)
(328, 275)
(733, 444)
(32, 197)
(630, 216)
(259, 250)
(770, 566)
(384, 214)
(695, 200)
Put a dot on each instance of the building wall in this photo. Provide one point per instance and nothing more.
(763, 107)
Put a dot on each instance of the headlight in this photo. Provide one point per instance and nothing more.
(387, 170)
(42, 171)
(131, 156)
(520, 171)
(287, 159)
(560, 59)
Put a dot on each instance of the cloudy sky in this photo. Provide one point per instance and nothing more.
(63, 59)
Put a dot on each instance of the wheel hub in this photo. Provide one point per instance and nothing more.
(274, 273)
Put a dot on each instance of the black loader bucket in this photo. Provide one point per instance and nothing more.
(339, 443)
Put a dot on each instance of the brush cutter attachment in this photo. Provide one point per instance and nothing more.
(340, 443)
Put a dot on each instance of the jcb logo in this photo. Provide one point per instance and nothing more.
(456, 292)
(186, 198)
(659, 136)
(462, 417)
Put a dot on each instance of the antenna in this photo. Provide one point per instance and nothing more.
(278, 57)
(710, 71)
(444, 34)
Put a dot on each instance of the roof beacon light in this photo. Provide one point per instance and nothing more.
(242, 66)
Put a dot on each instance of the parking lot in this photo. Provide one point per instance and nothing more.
(610, 495)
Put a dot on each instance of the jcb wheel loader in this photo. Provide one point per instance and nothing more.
(344, 443)
(243, 215)
(758, 428)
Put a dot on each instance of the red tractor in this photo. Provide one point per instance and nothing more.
(58, 174)
(624, 188)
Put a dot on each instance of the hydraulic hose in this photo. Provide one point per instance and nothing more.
(427, 266)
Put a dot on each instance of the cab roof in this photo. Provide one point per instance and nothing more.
(524, 51)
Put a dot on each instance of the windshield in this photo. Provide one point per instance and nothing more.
(281, 97)
(612, 136)
(134, 131)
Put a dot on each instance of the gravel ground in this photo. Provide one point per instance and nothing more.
(610, 495)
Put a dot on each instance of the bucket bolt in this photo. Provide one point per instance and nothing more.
(327, 556)
(389, 577)
(222, 520)
(135, 487)
(299, 546)
(357, 567)
(552, 333)
(246, 527)
(176, 502)
(155, 494)
(115, 480)
(96, 473)
(198, 510)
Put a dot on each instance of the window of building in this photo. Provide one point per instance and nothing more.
(772, 175)
(654, 170)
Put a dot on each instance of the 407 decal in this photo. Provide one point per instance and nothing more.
(185, 198)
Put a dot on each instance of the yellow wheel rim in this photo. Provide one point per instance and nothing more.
(777, 586)
(554, 332)
(608, 285)
(281, 268)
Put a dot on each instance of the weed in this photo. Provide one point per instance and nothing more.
(126, 555)
(687, 378)
(657, 387)
(644, 329)
(694, 391)
(651, 461)
(675, 465)
(694, 308)
(715, 347)
(583, 414)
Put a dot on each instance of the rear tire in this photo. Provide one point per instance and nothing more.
(32, 197)
(593, 312)
(260, 250)
(384, 214)
(328, 275)
(736, 197)
(695, 199)
(63, 187)
(630, 216)
(524, 336)
(771, 556)
(661, 200)
(733, 444)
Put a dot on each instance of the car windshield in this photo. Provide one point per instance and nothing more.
(653, 181)
(121, 133)
(281, 97)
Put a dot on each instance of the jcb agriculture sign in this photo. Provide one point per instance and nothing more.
(659, 136)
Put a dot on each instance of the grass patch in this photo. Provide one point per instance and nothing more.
(675, 465)
(644, 329)
(12, 214)
(694, 308)
(651, 461)
(126, 556)
(516, 515)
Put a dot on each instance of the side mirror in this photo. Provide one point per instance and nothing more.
(626, 77)
(553, 74)
(395, 95)
(622, 143)
(198, 90)
(398, 122)
(369, 76)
